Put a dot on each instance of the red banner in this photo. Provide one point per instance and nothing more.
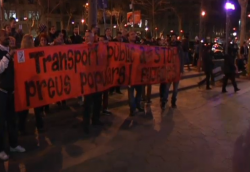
(49, 74)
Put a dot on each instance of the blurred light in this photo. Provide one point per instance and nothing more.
(234, 34)
(178, 37)
(83, 20)
(17, 20)
(248, 15)
(234, 28)
(202, 41)
(229, 6)
(87, 4)
(73, 22)
(203, 13)
(156, 28)
(171, 31)
(146, 28)
(25, 18)
(181, 31)
(114, 26)
(125, 25)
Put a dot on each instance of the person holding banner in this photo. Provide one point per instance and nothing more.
(134, 101)
(105, 110)
(7, 107)
(92, 102)
(165, 91)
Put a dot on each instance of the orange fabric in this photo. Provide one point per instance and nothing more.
(45, 75)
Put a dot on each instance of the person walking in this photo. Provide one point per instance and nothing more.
(208, 65)
(229, 71)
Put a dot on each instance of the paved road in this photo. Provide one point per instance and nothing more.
(208, 132)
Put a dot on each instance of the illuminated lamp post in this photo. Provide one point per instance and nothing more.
(229, 7)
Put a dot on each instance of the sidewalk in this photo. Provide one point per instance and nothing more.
(204, 134)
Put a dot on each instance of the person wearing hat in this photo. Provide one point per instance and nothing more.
(41, 29)
(229, 70)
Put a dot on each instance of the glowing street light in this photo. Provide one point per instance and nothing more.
(114, 26)
(248, 15)
(146, 28)
(203, 13)
(72, 22)
(17, 20)
(83, 21)
(229, 7)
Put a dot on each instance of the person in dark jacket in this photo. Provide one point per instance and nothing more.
(229, 71)
(52, 35)
(185, 49)
(76, 38)
(7, 107)
(208, 65)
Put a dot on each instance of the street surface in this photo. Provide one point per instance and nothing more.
(208, 132)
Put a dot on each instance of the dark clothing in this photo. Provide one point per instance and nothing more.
(76, 39)
(18, 36)
(8, 115)
(180, 52)
(229, 65)
(7, 77)
(230, 76)
(125, 39)
(51, 38)
(37, 41)
(185, 45)
(207, 60)
(229, 70)
(92, 104)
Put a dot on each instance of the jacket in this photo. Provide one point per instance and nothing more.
(6, 71)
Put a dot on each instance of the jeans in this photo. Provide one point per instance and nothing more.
(146, 93)
(134, 101)
(92, 103)
(230, 76)
(186, 58)
(165, 92)
(8, 116)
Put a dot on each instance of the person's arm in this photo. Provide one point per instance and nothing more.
(4, 63)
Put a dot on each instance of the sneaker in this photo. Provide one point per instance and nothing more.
(106, 112)
(19, 149)
(4, 156)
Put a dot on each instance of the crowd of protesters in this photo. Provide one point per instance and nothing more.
(94, 104)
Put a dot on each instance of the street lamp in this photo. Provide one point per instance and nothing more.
(203, 13)
(228, 7)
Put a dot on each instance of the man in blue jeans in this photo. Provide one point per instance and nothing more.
(165, 89)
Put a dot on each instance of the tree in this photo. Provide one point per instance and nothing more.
(118, 9)
(243, 5)
(154, 7)
(46, 7)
